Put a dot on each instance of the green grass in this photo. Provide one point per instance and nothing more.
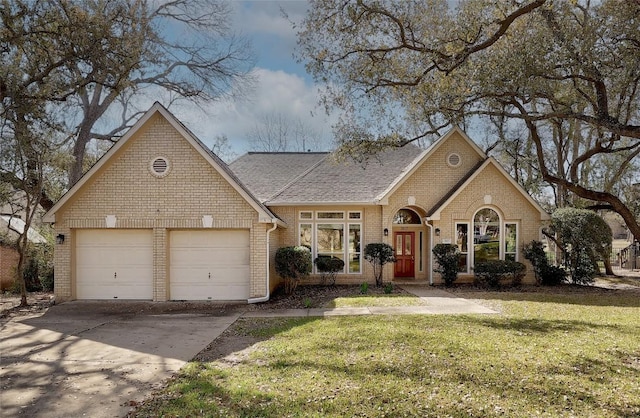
(546, 355)
(356, 301)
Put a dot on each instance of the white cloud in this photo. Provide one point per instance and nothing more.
(276, 92)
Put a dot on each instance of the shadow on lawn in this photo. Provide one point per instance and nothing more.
(563, 294)
(538, 325)
(233, 345)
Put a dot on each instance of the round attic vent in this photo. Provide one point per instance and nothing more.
(159, 167)
(454, 160)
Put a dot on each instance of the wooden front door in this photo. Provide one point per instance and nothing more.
(405, 253)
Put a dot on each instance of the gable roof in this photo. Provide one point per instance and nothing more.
(301, 179)
(393, 186)
(434, 213)
(264, 214)
(319, 179)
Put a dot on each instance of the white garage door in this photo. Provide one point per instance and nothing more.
(209, 265)
(114, 264)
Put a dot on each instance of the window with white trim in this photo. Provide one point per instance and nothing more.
(329, 234)
(492, 239)
(462, 241)
(511, 241)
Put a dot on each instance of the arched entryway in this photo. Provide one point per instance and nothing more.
(408, 243)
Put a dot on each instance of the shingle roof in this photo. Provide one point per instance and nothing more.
(308, 178)
(267, 173)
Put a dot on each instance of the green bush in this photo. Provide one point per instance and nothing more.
(38, 269)
(553, 275)
(546, 274)
(292, 264)
(329, 267)
(364, 288)
(378, 254)
(492, 273)
(448, 260)
(388, 288)
(584, 238)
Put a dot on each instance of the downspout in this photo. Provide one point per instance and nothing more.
(266, 297)
(426, 222)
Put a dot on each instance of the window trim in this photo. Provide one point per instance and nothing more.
(455, 234)
(319, 219)
(471, 258)
(346, 225)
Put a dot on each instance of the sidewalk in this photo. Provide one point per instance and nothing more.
(437, 301)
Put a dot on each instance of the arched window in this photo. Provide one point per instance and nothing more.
(406, 216)
(486, 235)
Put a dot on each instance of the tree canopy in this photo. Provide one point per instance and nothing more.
(111, 55)
(563, 76)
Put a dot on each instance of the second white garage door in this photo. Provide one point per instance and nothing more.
(209, 265)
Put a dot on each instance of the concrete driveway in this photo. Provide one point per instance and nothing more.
(97, 359)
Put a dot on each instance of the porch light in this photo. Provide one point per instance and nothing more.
(437, 231)
(60, 239)
(386, 232)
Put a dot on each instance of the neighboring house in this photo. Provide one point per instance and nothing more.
(161, 217)
(11, 226)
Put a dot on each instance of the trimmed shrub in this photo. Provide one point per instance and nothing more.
(448, 260)
(329, 267)
(492, 273)
(584, 238)
(378, 254)
(293, 264)
(553, 275)
(546, 274)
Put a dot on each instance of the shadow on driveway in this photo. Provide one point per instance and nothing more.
(99, 359)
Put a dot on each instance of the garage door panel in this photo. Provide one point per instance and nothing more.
(209, 265)
(210, 257)
(114, 264)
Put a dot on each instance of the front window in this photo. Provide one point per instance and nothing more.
(486, 235)
(354, 248)
(462, 241)
(406, 216)
(329, 234)
(510, 241)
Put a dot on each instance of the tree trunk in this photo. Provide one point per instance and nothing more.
(608, 269)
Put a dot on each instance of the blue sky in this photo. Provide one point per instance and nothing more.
(282, 85)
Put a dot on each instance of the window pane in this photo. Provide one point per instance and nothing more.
(330, 215)
(305, 235)
(486, 235)
(330, 238)
(306, 215)
(398, 244)
(407, 246)
(406, 216)
(510, 238)
(354, 215)
(462, 237)
(354, 248)
(462, 264)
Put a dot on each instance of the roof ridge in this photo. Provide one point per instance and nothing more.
(303, 174)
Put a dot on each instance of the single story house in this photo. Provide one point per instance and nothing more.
(160, 217)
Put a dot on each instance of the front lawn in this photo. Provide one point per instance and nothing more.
(545, 355)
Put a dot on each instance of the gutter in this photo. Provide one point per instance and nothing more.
(266, 297)
(426, 222)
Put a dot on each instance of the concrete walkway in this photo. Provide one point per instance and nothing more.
(437, 301)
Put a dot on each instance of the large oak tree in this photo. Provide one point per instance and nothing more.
(564, 73)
